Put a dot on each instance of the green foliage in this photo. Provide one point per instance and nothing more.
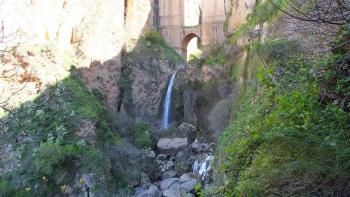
(220, 58)
(7, 190)
(142, 132)
(52, 153)
(264, 12)
(283, 140)
(154, 38)
(81, 100)
(153, 41)
(195, 57)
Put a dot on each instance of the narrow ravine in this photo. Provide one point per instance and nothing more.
(185, 163)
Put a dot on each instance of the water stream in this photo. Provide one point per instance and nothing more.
(167, 103)
(202, 167)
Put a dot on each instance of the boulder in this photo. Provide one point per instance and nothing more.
(175, 191)
(186, 177)
(149, 165)
(167, 183)
(152, 190)
(189, 130)
(189, 185)
(171, 145)
(183, 161)
(198, 147)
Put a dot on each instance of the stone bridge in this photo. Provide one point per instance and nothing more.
(180, 21)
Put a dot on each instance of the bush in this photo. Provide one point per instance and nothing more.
(142, 134)
(52, 154)
(155, 44)
(219, 58)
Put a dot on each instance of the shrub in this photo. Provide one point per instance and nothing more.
(155, 44)
(219, 58)
(142, 134)
(283, 140)
(50, 154)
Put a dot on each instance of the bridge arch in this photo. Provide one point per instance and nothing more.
(190, 43)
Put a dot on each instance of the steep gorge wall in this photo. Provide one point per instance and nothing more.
(93, 30)
(238, 11)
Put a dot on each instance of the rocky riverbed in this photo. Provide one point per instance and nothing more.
(184, 163)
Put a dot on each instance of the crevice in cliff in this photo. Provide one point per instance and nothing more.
(125, 10)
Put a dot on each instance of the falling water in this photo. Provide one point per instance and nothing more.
(202, 167)
(167, 102)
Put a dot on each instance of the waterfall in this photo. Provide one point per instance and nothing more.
(167, 103)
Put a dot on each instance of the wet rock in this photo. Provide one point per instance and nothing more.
(149, 191)
(167, 183)
(189, 130)
(171, 145)
(175, 191)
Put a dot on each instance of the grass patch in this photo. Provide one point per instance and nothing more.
(154, 41)
(142, 132)
(219, 58)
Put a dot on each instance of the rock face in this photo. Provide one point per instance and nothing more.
(190, 99)
(189, 130)
(240, 10)
(94, 29)
(171, 145)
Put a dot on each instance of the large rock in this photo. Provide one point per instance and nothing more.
(189, 186)
(149, 165)
(167, 183)
(183, 161)
(186, 177)
(151, 191)
(198, 147)
(189, 130)
(175, 191)
(171, 145)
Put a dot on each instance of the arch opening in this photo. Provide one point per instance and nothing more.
(191, 46)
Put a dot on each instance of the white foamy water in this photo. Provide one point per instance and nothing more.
(202, 167)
